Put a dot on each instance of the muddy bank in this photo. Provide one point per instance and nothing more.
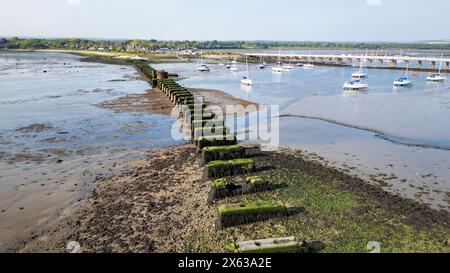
(155, 102)
(161, 206)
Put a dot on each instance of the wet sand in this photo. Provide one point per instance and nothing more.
(155, 102)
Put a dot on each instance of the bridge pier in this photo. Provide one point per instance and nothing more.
(446, 65)
(339, 61)
(380, 63)
(392, 63)
(433, 64)
(419, 64)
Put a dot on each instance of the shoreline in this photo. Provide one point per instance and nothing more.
(124, 56)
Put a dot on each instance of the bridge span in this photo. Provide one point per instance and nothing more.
(371, 60)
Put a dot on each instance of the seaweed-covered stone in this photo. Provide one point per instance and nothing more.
(222, 153)
(275, 245)
(218, 169)
(220, 188)
(245, 213)
(207, 123)
(220, 183)
(211, 141)
(257, 184)
(210, 131)
(251, 149)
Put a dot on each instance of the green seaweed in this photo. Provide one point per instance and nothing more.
(209, 141)
(215, 153)
(257, 181)
(220, 183)
(217, 169)
(244, 213)
(261, 206)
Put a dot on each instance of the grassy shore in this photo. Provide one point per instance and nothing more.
(114, 57)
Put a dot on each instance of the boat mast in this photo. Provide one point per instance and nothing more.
(248, 69)
(407, 68)
(440, 64)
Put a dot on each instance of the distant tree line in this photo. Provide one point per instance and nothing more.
(154, 45)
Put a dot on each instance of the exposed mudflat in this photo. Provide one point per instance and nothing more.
(155, 102)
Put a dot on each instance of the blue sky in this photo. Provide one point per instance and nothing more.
(327, 20)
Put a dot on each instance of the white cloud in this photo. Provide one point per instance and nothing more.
(73, 2)
(373, 2)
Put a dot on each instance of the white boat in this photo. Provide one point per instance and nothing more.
(437, 77)
(278, 68)
(288, 66)
(404, 81)
(202, 67)
(355, 85)
(221, 64)
(308, 65)
(360, 74)
(263, 64)
(234, 67)
(246, 80)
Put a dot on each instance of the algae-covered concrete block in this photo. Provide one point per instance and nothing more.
(215, 153)
(218, 169)
(275, 245)
(244, 213)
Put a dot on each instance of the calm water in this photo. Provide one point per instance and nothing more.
(400, 133)
(59, 91)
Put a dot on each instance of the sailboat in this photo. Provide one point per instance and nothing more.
(355, 85)
(309, 64)
(202, 67)
(404, 81)
(360, 73)
(278, 68)
(263, 64)
(246, 79)
(234, 68)
(437, 77)
(288, 66)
